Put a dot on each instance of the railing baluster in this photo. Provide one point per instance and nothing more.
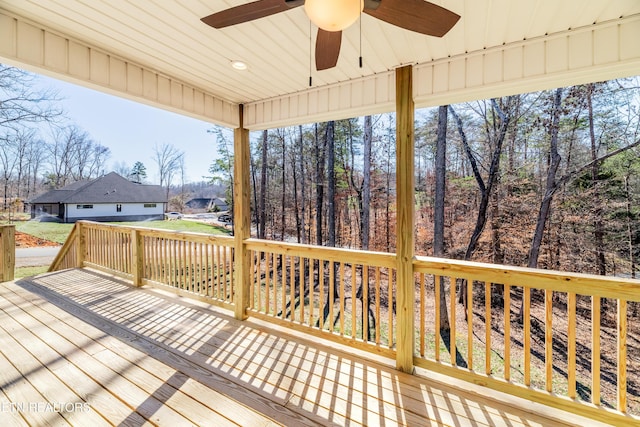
(437, 280)
(283, 283)
(228, 274)
(365, 302)
(221, 268)
(274, 282)
(332, 291)
(622, 356)
(189, 270)
(470, 325)
(548, 339)
(378, 317)
(174, 263)
(321, 294)
(390, 306)
(507, 332)
(452, 333)
(254, 280)
(595, 350)
(185, 267)
(487, 327)
(312, 286)
(342, 297)
(267, 284)
(201, 271)
(354, 307)
(571, 346)
(292, 287)
(526, 303)
(207, 272)
(422, 315)
(157, 244)
(303, 278)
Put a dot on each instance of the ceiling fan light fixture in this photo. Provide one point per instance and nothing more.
(333, 15)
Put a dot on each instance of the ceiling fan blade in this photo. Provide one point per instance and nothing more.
(327, 48)
(249, 12)
(415, 15)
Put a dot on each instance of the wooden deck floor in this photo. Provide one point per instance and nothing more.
(79, 347)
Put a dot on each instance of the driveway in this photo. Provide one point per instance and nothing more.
(33, 257)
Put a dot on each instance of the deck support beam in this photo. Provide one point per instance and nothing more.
(241, 217)
(405, 295)
(8, 256)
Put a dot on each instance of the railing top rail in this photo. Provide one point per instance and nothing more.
(579, 283)
(167, 234)
(378, 259)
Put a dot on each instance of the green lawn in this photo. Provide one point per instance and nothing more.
(57, 232)
(21, 272)
(52, 231)
(179, 225)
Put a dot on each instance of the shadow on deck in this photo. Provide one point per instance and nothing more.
(83, 348)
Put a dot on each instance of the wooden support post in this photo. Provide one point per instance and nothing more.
(241, 217)
(81, 244)
(8, 248)
(404, 220)
(137, 257)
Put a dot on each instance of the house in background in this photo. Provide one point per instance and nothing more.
(209, 204)
(108, 198)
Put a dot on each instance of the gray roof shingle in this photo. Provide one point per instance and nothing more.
(110, 188)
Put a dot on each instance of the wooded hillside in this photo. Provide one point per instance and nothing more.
(548, 179)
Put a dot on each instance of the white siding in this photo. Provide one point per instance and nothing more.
(35, 47)
(109, 210)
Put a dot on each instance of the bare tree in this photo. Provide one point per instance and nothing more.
(262, 212)
(20, 103)
(496, 127)
(438, 222)
(551, 185)
(168, 159)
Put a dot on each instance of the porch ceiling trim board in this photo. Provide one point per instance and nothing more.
(601, 51)
(597, 52)
(37, 48)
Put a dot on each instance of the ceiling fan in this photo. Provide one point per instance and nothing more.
(414, 15)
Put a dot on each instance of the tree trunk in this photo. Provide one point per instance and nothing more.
(492, 178)
(331, 183)
(284, 190)
(319, 155)
(366, 183)
(628, 198)
(438, 215)
(296, 205)
(551, 185)
(598, 225)
(303, 186)
(263, 188)
(254, 183)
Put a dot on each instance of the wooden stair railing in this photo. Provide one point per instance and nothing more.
(67, 256)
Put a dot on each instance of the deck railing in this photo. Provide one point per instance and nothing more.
(194, 264)
(562, 339)
(340, 294)
(552, 337)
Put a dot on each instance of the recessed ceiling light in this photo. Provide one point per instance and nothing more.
(239, 65)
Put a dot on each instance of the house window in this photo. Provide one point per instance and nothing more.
(118, 208)
(84, 207)
(149, 205)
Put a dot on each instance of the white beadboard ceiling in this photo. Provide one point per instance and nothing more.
(169, 38)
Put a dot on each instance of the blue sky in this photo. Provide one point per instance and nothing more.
(131, 130)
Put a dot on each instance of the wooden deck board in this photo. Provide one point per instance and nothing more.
(170, 361)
